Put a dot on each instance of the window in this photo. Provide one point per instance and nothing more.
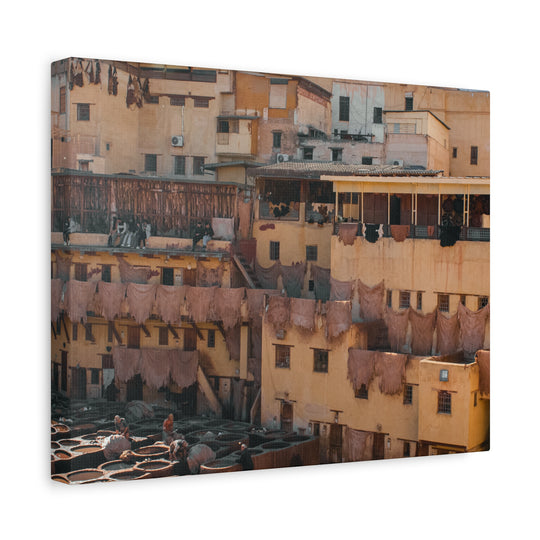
(396, 128)
(198, 165)
(311, 253)
(150, 163)
(107, 361)
(94, 376)
(389, 298)
(474, 155)
(454, 152)
(337, 154)
(167, 276)
(377, 115)
(201, 102)
(367, 160)
(163, 335)
(407, 394)
(81, 272)
(463, 299)
(408, 103)
(276, 139)
(211, 339)
(62, 104)
(178, 101)
(404, 299)
(444, 402)
(88, 332)
(311, 285)
(475, 399)
(278, 94)
(419, 301)
(308, 153)
(74, 331)
(223, 126)
(274, 251)
(443, 375)
(443, 302)
(152, 99)
(344, 108)
(83, 112)
(362, 392)
(320, 361)
(179, 165)
(283, 356)
(482, 301)
(84, 165)
(106, 273)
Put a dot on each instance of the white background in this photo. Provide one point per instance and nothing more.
(479, 45)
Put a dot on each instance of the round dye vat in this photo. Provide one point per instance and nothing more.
(84, 475)
(62, 454)
(219, 466)
(89, 437)
(153, 452)
(69, 443)
(54, 445)
(60, 478)
(129, 474)
(155, 468)
(104, 433)
(86, 448)
(296, 438)
(117, 465)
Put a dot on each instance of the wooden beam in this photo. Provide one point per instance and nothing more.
(65, 328)
(115, 332)
(172, 331)
(53, 330)
(88, 328)
(199, 333)
(145, 330)
(219, 324)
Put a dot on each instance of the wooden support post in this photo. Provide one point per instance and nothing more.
(88, 328)
(244, 344)
(53, 330)
(172, 331)
(199, 333)
(65, 328)
(115, 332)
(145, 330)
(219, 324)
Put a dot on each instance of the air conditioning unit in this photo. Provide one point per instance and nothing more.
(177, 140)
(282, 157)
(398, 162)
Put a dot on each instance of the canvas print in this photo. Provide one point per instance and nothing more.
(256, 270)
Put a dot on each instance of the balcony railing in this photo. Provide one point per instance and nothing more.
(431, 232)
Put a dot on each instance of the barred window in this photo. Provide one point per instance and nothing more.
(311, 253)
(408, 103)
(444, 402)
(377, 115)
(344, 108)
(283, 356)
(404, 299)
(389, 298)
(474, 155)
(178, 101)
(94, 376)
(276, 139)
(150, 163)
(482, 301)
(362, 392)
(320, 361)
(83, 112)
(201, 102)
(211, 343)
(180, 165)
(407, 394)
(274, 251)
(419, 301)
(443, 302)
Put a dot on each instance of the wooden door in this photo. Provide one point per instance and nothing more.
(63, 372)
(378, 446)
(375, 208)
(78, 383)
(286, 416)
(190, 339)
(133, 337)
(190, 277)
(336, 443)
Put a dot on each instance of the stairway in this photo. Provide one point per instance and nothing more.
(247, 271)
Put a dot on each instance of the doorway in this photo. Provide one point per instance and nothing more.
(335, 449)
(286, 416)
(78, 383)
(134, 388)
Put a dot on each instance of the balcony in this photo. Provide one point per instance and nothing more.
(236, 136)
(429, 232)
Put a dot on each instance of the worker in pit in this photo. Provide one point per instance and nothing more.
(121, 427)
